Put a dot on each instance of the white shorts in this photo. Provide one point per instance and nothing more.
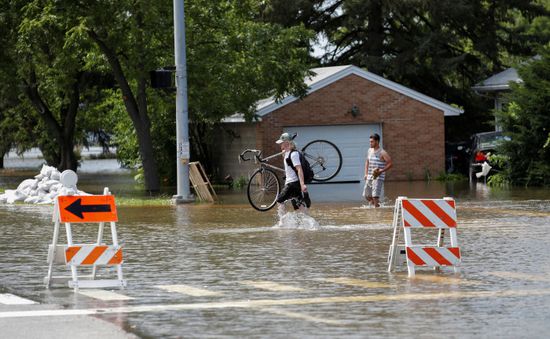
(373, 188)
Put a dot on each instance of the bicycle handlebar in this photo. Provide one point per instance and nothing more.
(257, 155)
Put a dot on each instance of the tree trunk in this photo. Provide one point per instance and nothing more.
(62, 155)
(68, 158)
(68, 114)
(140, 118)
(375, 37)
(4, 149)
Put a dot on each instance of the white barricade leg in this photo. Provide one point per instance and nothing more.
(408, 243)
(454, 243)
(115, 243)
(100, 233)
(51, 257)
(440, 241)
(74, 272)
(99, 241)
(393, 251)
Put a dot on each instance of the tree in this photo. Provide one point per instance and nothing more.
(438, 47)
(9, 101)
(131, 38)
(527, 121)
(45, 82)
(233, 61)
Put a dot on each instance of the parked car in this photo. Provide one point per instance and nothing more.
(483, 145)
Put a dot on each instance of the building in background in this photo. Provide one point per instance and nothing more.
(345, 105)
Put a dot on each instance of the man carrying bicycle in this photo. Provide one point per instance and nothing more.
(295, 187)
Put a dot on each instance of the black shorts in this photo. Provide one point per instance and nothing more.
(291, 190)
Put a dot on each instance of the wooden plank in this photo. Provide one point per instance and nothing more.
(200, 182)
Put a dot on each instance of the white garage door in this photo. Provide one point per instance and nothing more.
(351, 140)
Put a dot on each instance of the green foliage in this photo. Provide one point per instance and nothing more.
(241, 182)
(162, 200)
(438, 47)
(498, 160)
(498, 180)
(239, 52)
(527, 120)
(447, 177)
(234, 60)
(46, 84)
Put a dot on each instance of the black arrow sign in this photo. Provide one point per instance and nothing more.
(77, 208)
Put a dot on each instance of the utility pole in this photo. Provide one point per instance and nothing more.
(182, 111)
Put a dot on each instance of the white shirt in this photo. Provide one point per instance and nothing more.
(291, 176)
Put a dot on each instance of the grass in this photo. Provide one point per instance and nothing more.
(451, 177)
(131, 202)
(163, 200)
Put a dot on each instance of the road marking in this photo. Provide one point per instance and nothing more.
(271, 286)
(104, 295)
(355, 282)
(282, 302)
(445, 280)
(189, 290)
(302, 316)
(522, 276)
(11, 299)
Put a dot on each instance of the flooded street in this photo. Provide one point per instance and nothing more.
(224, 269)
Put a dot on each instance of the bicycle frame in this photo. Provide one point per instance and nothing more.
(264, 184)
(263, 161)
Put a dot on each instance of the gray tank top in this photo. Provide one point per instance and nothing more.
(375, 161)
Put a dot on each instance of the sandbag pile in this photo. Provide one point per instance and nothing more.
(43, 189)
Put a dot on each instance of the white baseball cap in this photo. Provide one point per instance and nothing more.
(284, 137)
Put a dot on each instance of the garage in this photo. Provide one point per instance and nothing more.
(351, 140)
(345, 105)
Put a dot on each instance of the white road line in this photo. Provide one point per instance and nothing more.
(189, 290)
(355, 282)
(103, 295)
(281, 302)
(521, 276)
(271, 286)
(11, 299)
(302, 316)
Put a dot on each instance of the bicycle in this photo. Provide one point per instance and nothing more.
(264, 185)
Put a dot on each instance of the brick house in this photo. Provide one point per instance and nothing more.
(345, 105)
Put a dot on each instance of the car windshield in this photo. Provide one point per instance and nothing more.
(491, 140)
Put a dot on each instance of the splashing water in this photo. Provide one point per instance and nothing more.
(299, 220)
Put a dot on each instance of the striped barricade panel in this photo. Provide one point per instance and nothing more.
(433, 256)
(83, 255)
(437, 213)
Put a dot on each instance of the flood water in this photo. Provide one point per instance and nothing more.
(298, 280)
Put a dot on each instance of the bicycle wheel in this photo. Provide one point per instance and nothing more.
(325, 159)
(263, 189)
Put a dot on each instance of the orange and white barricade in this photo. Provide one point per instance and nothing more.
(424, 214)
(85, 209)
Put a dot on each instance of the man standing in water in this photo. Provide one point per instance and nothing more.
(295, 186)
(378, 162)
